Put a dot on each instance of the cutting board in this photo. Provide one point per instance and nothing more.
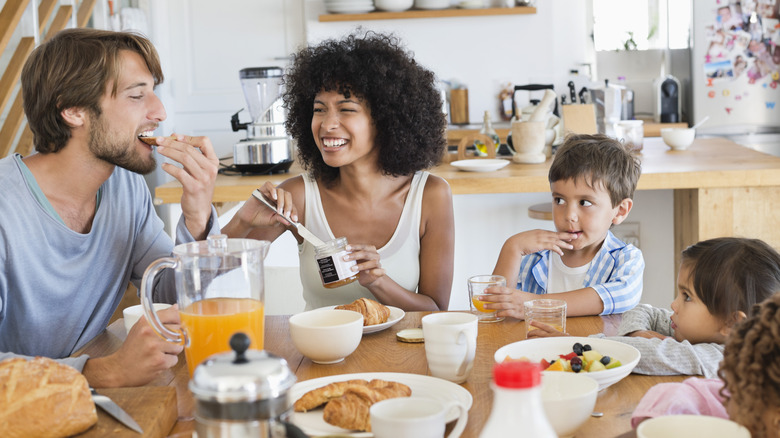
(152, 407)
(579, 118)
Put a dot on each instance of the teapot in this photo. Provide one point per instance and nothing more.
(243, 393)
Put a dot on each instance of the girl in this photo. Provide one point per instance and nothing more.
(718, 283)
(367, 120)
(750, 372)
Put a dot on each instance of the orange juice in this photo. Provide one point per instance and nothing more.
(480, 306)
(209, 324)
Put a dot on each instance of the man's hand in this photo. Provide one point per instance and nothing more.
(197, 177)
(143, 355)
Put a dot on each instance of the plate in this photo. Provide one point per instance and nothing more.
(422, 386)
(480, 165)
(396, 315)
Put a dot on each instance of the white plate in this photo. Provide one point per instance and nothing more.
(396, 315)
(480, 165)
(422, 386)
(350, 9)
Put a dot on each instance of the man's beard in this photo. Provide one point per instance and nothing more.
(111, 150)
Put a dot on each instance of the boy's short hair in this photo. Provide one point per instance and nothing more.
(597, 159)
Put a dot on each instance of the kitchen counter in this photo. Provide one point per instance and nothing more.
(456, 132)
(720, 188)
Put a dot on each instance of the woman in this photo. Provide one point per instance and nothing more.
(367, 120)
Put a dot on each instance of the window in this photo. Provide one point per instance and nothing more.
(641, 24)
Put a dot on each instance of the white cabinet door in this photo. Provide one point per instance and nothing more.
(203, 45)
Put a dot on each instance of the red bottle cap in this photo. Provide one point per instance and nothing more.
(517, 374)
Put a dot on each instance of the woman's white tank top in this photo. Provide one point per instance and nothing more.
(400, 257)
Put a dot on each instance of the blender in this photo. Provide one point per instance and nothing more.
(267, 148)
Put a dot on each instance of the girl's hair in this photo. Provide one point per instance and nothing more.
(731, 274)
(404, 102)
(750, 367)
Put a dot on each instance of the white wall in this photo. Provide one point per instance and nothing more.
(482, 52)
(485, 52)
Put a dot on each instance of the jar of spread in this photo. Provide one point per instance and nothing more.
(334, 271)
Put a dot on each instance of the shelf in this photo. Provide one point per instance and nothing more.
(429, 13)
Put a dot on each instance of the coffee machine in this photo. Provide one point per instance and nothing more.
(267, 148)
(667, 99)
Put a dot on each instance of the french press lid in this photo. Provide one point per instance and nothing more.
(242, 376)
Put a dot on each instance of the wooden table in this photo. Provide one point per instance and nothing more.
(720, 188)
(381, 352)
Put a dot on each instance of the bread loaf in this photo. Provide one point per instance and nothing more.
(373, 312)
(43, 398)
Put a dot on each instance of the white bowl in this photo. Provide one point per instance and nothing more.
(132, 314)
(549, 348)
(568, 400)
(393, 5)
(678, 426)
(678, 138)
(326, 335)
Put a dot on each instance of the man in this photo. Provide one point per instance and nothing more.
(76, 218)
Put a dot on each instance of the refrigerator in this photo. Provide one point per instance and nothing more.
(735, 68)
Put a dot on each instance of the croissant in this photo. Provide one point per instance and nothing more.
(351, 410)
(373, 311)
(317, 397)
(43, 398)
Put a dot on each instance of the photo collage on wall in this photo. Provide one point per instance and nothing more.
(744, 42)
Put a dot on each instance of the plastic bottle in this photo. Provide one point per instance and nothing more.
(487, 129)
(517, 402)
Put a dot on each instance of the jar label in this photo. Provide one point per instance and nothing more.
(333, 268)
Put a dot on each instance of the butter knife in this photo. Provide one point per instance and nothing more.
(306, 234)
(115, 411)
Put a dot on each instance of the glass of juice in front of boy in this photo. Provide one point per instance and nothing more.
(477, 287)
(547, 311)
(219, 290)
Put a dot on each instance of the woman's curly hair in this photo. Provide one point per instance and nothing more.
(751, 369)
(405, 105)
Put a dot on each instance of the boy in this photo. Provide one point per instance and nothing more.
(592, 179)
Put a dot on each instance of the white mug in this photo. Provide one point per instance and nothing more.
(450, 344)
(132, 314)
(419, 417)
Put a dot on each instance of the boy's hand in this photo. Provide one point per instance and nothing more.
(649, 334)
(529, 242)
(543, 330)
(508, 302)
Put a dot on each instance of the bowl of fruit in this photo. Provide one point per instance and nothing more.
(604, 360)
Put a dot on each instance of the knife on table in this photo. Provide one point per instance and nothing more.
(115, 411)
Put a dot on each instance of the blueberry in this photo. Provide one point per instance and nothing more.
(586, 347)
(577, 348)
(605, 360)
(552, 361)
(576, 367)
(576, 361)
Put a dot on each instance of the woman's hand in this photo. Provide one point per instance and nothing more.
(368, 263)
(256, 214)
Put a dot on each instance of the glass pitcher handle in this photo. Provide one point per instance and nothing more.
(147, 289)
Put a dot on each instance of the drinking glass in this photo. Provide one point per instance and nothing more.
(477, 285)
(550, 312)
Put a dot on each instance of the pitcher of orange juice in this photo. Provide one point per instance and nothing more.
(219, 290)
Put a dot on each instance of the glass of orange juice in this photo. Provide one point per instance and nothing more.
(219, 290)
(478, 285)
